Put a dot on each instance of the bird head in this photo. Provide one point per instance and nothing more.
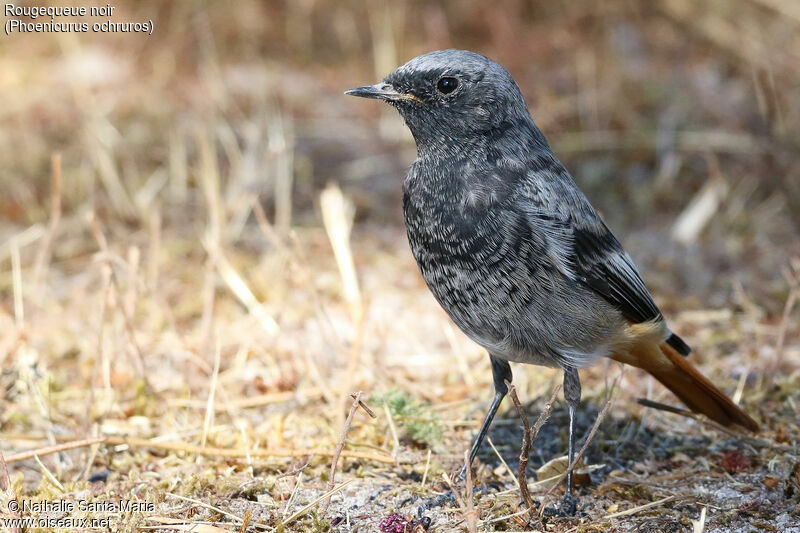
(451, 98)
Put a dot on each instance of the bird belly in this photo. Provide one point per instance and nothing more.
(519, 310)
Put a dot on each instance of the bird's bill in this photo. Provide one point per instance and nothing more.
(381, 91)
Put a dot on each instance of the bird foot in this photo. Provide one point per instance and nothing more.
(566, 509)
(568, 506)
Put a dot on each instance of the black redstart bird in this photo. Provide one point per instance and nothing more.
(512, 249)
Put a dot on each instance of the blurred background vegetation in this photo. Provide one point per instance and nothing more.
(162, 218)
(651, 105)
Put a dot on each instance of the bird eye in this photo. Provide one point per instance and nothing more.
(447, 85)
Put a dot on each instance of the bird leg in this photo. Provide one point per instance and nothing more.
(501, 372)
(572, 394)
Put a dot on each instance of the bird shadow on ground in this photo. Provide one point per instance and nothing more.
(621, 441)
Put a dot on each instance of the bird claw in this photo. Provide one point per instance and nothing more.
(568, 506)
(566, 509)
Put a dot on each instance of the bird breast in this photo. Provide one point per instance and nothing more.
(490, 270)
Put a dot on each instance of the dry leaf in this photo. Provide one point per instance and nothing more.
(554, 468)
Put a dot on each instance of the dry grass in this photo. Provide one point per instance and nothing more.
(202, 257)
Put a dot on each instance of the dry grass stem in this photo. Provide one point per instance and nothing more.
(7, 487)
(47, 450)
(470, 513)
(248, 402)
(703, 207)
(503, 461)
(240, 289)
(392, 429)
(212, 394)
(49, 475)
(639, 508)
(16, 275)
(698, 526)
(337, 215)
(588, 441)
(43, 254)
(107, 257)
(311, 505)
(425, 473)
(216, 509)
(197, 450)
(456, 494)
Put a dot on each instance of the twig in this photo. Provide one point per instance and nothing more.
(794, 293)
(364, 406)
(297, 470)
(528, 437)
(744, 437)
(47, 450)
(545, 414)
(525, 450)
(470, 514)
(664, 407)
(340, 445)
(579, 455)
(688, 414)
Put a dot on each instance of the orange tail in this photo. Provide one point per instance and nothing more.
(688, 384)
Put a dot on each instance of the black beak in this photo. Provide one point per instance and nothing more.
(381, 91)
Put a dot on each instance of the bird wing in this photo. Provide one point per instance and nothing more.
(582, 246)
(602, 264)
(572, 236)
